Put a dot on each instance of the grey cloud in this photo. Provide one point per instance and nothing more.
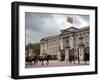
(39, 22)
(86, 17)
(39, 25)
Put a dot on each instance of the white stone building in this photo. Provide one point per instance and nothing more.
(70, 42)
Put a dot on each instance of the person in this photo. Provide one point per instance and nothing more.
(44, 54)
(45, 57)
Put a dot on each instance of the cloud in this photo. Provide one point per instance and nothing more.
(40, 22)
(40, 25)
(81, 21)
(34, 36)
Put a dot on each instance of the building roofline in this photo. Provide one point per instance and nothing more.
(62, 31)
(49, 37)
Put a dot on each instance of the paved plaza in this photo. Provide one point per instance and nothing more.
(55, 63)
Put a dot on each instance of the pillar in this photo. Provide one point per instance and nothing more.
(81, 54)
(67, 55)
(58, 56)
(61, 44)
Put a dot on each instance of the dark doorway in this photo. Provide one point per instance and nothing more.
(71, 55)
(86, 54)
(86, 57)
(62, 55)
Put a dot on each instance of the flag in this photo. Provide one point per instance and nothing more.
(70, 19)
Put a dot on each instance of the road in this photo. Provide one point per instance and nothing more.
(55, 63)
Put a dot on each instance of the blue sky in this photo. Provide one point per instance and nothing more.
(40, 25)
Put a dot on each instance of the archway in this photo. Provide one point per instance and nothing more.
(62, 55)
(71, 55)
(86, 54)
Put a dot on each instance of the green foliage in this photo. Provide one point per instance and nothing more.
(29, 46)
(35, 47)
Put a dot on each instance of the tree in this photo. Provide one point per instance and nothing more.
(35, 47)
(29, 46)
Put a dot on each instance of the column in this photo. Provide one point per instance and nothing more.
(81, 54)
(58, 56)
(61, 44)
(67, 55)
(71, 42)
(46, 46)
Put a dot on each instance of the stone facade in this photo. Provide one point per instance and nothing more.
(70, 42)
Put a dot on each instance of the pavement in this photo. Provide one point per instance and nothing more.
(55, 63)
